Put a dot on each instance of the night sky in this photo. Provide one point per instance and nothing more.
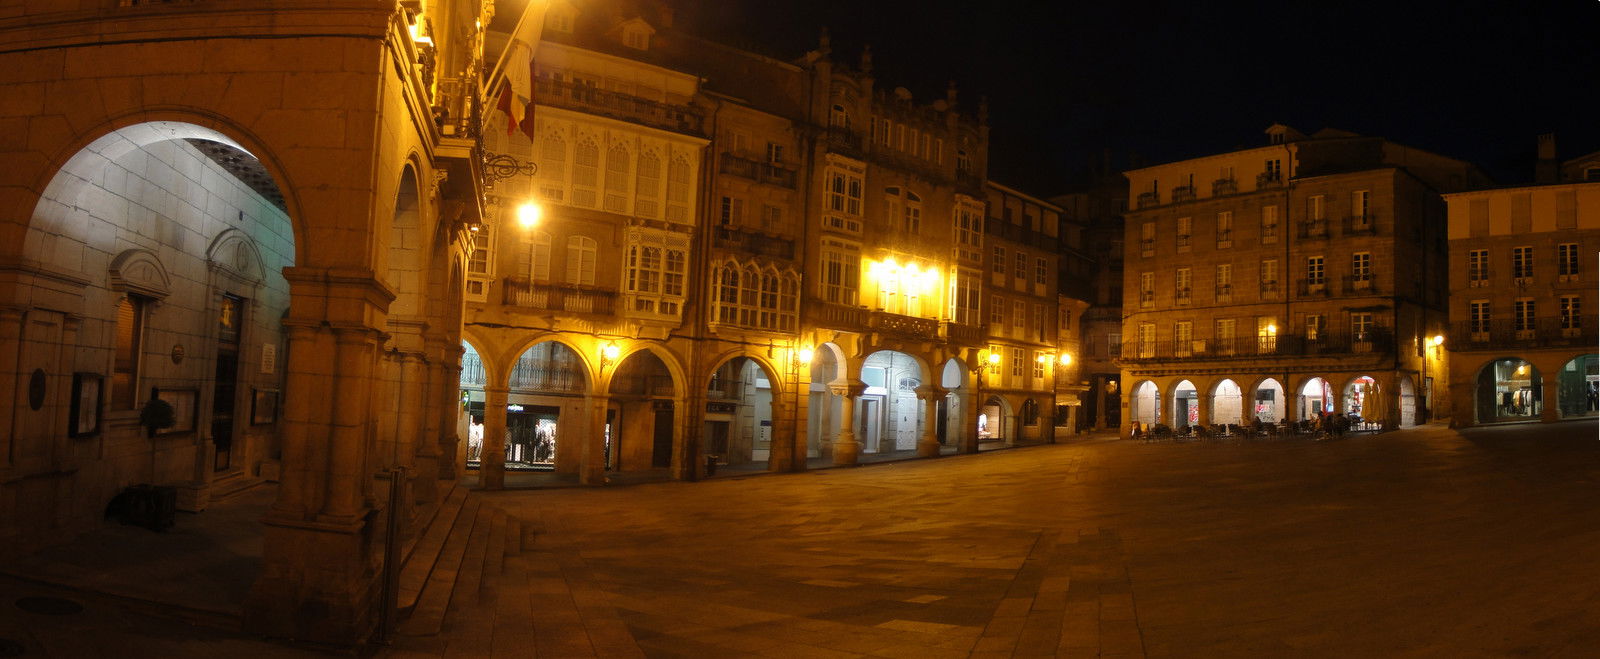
(1067, 81)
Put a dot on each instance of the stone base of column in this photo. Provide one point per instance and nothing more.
(846, 450)
(448, 468)
(318, 584)
(928, 448)
(425, 480)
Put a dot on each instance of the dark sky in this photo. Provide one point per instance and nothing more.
(1068, 80)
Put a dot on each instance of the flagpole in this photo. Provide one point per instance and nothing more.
(490, 82)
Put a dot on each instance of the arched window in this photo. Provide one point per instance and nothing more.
(619, 169)
(648, 202)
(1030, 413)
(580, 260)
(585, 173)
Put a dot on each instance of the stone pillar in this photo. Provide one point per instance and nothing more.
(846, 450)
(592, 460)
(447, 375)
(1550, 404)
(785, 426)
(1203, 402)
(10, 350)
(928, 442)
(492, 459)
(969, 417)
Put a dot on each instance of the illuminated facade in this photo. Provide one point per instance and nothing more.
(1285, 282)
(1521, 343)
(1092, 272)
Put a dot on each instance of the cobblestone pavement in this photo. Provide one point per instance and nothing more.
(1424, 542)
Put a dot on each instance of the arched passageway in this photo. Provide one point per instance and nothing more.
(1408, 402)
(1315, 399)
(952, 429)
(1185, 404)
(822, 423)
(1509, 389)
(994, 421)
(544, 425)
(642, 420)
(739, 413)
(1578, 387)
(1362, 400)
(1227, 403)
(1145, 404)
(1268, 401)
(887, 415)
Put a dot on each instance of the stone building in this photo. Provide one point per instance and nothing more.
(1285, 281)
(1096, 208)
(787, 264)
(1023, 235)
(1521, 345)
(257, 216)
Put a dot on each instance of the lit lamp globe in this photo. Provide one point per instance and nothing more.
(1438, 340)
(528, 215)
(804, 355)
(1066, 359)
(994, 358)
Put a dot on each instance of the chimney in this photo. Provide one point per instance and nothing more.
(1547, 169)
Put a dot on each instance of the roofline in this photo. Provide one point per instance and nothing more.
(1013, 191)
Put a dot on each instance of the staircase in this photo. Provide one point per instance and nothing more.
(455, 561)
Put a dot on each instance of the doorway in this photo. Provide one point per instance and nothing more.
(225, 381)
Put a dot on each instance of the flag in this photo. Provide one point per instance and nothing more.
(516, 95)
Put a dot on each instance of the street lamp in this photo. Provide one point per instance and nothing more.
(529, 214)
(608, 354)
(1434, 343)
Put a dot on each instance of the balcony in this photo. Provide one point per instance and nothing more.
(909, 327)
(844, 141)
(1147, 248)
(965, 335)
(1183, 193)
(1268, 179)
(1224, 186)
(1506, 334)
(584, 98)
(1313, 288)
(1181, 296)
(818, 313)
(1358, 285)
(1478, 277)
(1148, 199)
(1224, 294)
(1314, 229)
(969, 182)
(760, 172)
(1183, 242)
(519, 292)
(1224, 238)
(1360, 225)
(751, 242)
(1375, 341)
(1270, 291)
(1147, 299)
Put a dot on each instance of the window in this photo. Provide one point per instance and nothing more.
(1038, 321)
(1477, 267)
(1019, 313)
(997, 310)
(969, 229)
(997, 259)
(844, 192)
(964, 301)
(585, 174)
(1147, 239)
(732, 211)
(1314, 271)
(839, 118)
(1269, 224)
(963, 163)
(533, 260)
(127, 352)
(1182, 337)
(771, 217)
(1359, 215)
(1567, 260)
(1041, 270)
(1039, 360)
(1361, 267)
(1316, 208)
(559, 21)
(656, 264)
(1185, 229)
(1224, 280)
(1522, 262)
(678, 190)
(1147, 289)
(1017, 362)
(880, 132)
(1183, 280)
(1522, 314)
(636, 39)
(648, 196)
(1315, 324)
(1065, 324)
(1225, 229)
(994, 366)
(1478, 317)
(841, 271)
(580, 260)
(1361, 327)
(1571, 312)
(478, 261)
(913, 214)
(1020, 271)
(1225, 328)
(744, 295)
(774, 153)
(1147, 340)
(1114, 344)
(553, 167)
(1274, 167)
(1269, 276)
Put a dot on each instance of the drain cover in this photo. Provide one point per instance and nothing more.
(10, 648)
(49, 606)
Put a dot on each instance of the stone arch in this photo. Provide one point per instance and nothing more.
(512, 355)
(994, 420)
(1312, 396)
(1271, 407)
(740, 417)
(402, 263)
(1144, 402)
(1578, 386)
(1185, 404)
(888, 415)
(1507, 389)
(1407, 391)
(1364, 396)
(668, 359)
(1227, 402)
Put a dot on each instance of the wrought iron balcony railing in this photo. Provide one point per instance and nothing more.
(626, 107)
(520, 292)
(760, 172)
(1360, 225)
(1508, 334)
(1268, 179)
(1314, 229)
(1224, 186)
(1183, 193)
(1374, 341)
(1148, 199)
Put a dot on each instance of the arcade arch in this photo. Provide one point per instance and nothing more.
(740, 407)
(1508, 389)
(1185, 404)
(642, 420)
(1144, 406)
(1314, 398)
(887, 416)
(1578, 387)
(1363, 399)
(1268, 401)
(1227, 403)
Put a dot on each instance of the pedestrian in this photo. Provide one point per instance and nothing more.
(1135, 430)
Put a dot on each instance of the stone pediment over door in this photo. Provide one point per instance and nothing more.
(140, 271)
(234, 253)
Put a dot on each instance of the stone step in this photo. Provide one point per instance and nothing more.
(427, 616)
(423, 554)
(513, 536)
(470, 577)
(494, 559)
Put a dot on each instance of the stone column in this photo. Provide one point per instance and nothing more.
(846, 450)
(10, 347)
(1203, 402)
(972, 406)
(447, 375)
(928, 442)
(352, 390)
(780, 455)
(492, 459)
(592, 460)
(1550, 410)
